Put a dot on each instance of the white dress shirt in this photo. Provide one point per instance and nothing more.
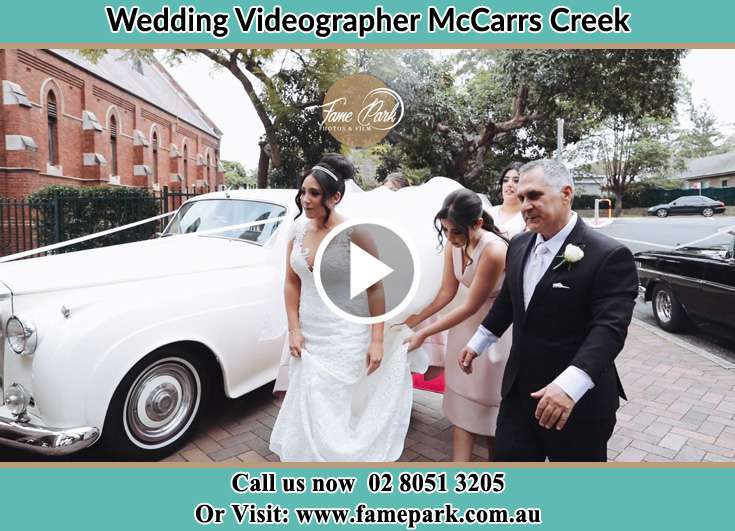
(573, 380)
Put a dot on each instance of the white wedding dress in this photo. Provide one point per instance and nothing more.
(332, 410)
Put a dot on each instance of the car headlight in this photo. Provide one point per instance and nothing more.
(21, 336)
(17, 400)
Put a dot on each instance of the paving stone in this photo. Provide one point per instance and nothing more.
(618, 442)
(196, 456)
(690, 454)
(206, 444)
(693, 435)
(658, 429)
(654, 449)
(681, 408)
(631, 455)
(712, 428)
(251, 457)
(673, 442)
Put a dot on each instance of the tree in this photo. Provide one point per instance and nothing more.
(281, 85)
(479, 109)
(236, 175)
(701, 138)
(625, 150)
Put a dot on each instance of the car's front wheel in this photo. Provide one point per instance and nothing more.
(668, 312)
(662, 212)
(708, 212)
(156, 404)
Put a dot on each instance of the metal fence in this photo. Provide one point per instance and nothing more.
(27, 224)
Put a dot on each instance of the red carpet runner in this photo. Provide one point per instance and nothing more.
(435, 386)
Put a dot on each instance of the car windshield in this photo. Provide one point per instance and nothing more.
(719, 246)
(212, 214)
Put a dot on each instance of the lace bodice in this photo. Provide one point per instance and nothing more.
(335, 276)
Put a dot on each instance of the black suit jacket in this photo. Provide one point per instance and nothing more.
(584, 325)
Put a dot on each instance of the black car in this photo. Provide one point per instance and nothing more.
(690, 284)
(689, 204)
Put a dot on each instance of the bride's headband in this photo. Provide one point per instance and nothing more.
(325, 170)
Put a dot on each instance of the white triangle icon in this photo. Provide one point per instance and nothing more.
(365, 270)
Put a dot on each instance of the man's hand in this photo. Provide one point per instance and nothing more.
(554, 406)
(465, 359)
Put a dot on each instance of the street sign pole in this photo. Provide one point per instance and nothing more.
(559, 139)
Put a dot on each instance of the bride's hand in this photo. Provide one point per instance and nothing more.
(374, 357)
(415, 341)
(295, 342)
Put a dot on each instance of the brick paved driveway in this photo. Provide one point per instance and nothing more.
(681, 408)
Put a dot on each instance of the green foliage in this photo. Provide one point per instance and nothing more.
(701, 138)
(236, 175)
(469, 115)
(67, 212)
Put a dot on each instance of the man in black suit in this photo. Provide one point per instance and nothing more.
(569, 292)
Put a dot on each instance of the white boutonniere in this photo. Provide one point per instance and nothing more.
(572, 255)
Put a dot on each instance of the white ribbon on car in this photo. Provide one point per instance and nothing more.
(74, 241)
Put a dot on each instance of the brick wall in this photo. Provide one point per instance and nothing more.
(78, 92)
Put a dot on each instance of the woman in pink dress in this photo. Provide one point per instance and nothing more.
(475, 258)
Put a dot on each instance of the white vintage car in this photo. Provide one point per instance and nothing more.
(129, 340)
(127, 343)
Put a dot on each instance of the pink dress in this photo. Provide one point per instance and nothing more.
(471, 401)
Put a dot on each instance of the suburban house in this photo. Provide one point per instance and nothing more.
(715, 171)
(118, 121)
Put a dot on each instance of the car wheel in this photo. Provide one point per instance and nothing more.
(156, 405)
(668, 312)
(662, 212)
(708, 212)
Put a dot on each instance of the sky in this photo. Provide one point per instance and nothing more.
(223, 99)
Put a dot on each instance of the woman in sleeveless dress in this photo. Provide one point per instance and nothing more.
(476, 259)
(507, 215)
(345, 401)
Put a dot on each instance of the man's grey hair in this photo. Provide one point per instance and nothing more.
(555, 173)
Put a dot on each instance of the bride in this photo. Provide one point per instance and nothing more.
(345, 401)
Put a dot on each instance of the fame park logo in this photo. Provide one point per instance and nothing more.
(359, 110)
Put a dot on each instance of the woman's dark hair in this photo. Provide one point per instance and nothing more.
(512, 166)
(463, 208)
(337, 165)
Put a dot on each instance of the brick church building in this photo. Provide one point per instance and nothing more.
(65, 120)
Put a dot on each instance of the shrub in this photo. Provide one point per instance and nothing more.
(66, 212)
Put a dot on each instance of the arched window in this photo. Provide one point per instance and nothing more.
(209, 163)
(154, 143)
(186, 166)
(52, 114)
(113, 144)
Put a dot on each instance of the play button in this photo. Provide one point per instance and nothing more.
(365, 270)
(362, 257)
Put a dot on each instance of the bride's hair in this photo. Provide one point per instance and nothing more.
(330, 172)
(463, 208)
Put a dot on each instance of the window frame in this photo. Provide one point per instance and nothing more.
(52, 128)
(114, 132)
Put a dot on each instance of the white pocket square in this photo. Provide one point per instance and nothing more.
(559, 285)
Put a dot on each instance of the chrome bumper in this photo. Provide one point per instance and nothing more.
(45, 440)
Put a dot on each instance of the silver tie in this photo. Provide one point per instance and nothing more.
(534, 271)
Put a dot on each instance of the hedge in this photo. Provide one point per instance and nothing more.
(66, 212)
